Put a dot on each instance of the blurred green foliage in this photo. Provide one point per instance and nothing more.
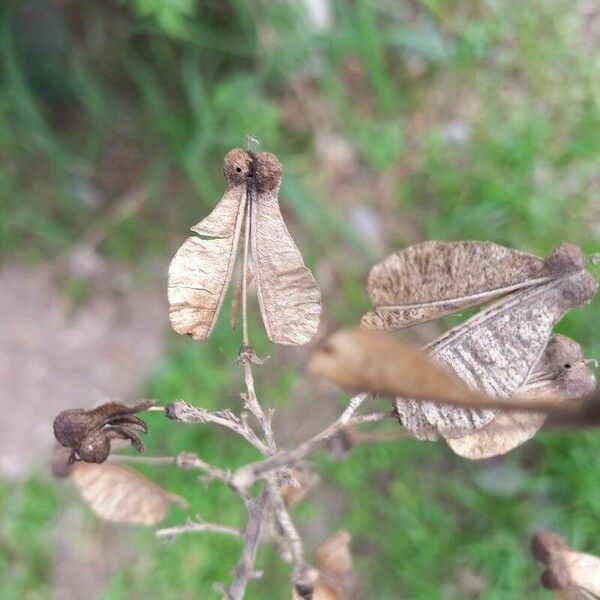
(490, 113)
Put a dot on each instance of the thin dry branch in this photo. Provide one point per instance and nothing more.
(245, 476)
(244, 570)
(186, 413)
(197, 527)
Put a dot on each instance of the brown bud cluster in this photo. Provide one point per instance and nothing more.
(89, 432)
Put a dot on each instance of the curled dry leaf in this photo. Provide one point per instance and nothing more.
(496, 350)
(121, 495)
(432, 279)
(333, 560)
(200, 271)
(572, 575)
(89, 432)
(377, 362)
(561, 373)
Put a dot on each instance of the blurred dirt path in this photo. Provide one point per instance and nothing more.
(55, 356)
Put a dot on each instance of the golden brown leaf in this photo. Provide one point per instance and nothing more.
(561, 373)
(120, 495)
(289, 298)
(433, 279)
(496, 350)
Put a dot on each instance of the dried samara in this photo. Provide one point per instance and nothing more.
(200, 271)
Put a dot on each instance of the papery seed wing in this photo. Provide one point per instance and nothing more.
(560, 373)
(201, 269)
(496, 350)
(433, 279)
(289, 298)
(120, 495)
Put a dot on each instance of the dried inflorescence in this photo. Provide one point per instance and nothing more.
(89, 432)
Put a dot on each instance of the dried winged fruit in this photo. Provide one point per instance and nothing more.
(432, 279)
(572, 575)
(89, 432)
(336, 579)
(561, 373)
(496, 350)
(200, 271)
(121, 495)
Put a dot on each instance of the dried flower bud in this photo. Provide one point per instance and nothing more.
(89, 432)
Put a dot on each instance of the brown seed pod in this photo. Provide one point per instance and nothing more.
(89, 432)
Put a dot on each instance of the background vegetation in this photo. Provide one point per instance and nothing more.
(395, 122)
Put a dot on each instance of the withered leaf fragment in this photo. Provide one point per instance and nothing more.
(121, 495)
(432, 279)
(200, 271)
(375, 361)
(495, 350)
(333, 560)
(561, 373)
(89, 432)
(572, 575)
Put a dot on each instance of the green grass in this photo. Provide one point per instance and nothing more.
(482, 121)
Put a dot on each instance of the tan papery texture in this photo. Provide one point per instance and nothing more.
(121, 495)
(200, 271)
(433, 279)
(496, 350)
(333, 560)
(289, 298)
(561, 373)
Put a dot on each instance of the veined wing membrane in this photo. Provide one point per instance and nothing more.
(289, 298)
(561, 373)
(201, 269)
(496, 350)
(120, 495)
(433, 279)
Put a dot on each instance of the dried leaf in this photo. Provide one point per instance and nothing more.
(290, 301)
(201, 269)
(377, 362)
(496, 350)
(334, 562)
(561, 373)
(120, 495)
(433, 279)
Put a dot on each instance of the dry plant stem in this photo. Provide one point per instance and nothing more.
(197, 527)
(288, 529)
(186, 413)
(244, 570)
(247, 354)
(248, 474)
